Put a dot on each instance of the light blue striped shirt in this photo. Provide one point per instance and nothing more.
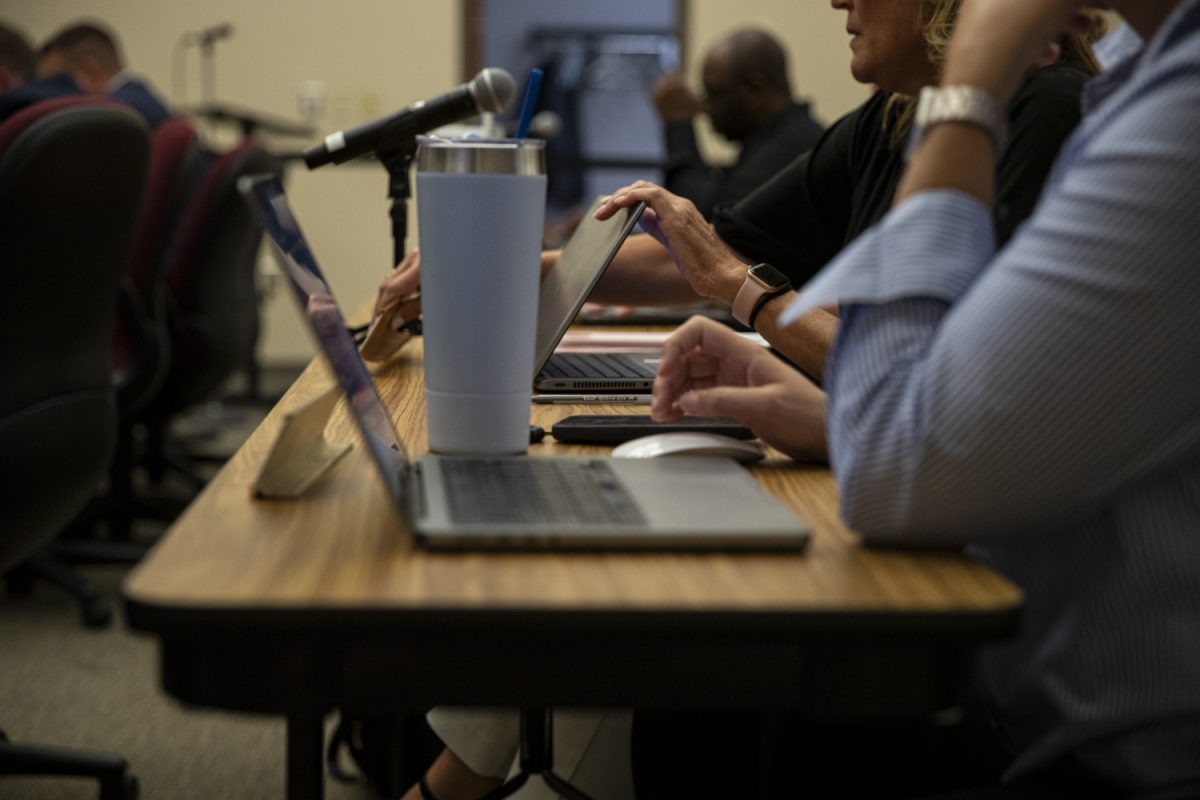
(1042, 406)
(1119, 44)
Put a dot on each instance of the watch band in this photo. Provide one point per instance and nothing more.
(756, 290)
(761, 303)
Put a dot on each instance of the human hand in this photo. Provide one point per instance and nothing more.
(397, 304)
(709, 266)
(398, 292)
(708, 370)
(995, 41)
(549, 259)
(674, 99)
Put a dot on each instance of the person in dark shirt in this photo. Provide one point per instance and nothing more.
(820, 203)
(748, 99)
(18, 86)
(89, 54)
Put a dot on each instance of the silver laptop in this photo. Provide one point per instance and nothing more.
(564, 290)
(522, 502)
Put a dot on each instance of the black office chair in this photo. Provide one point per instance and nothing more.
(72, 174)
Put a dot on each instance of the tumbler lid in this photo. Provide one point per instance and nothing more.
(481, 156)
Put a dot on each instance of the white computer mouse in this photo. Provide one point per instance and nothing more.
(689, 444)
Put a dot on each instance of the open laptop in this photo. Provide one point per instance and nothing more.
(564, 289)
(522, 502)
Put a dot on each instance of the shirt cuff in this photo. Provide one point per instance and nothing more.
(932, 245)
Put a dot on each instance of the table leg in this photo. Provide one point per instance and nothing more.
(537, 757)
(305, 767)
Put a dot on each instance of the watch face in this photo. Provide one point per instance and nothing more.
(769, 276)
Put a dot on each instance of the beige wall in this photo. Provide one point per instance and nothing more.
(375, 56)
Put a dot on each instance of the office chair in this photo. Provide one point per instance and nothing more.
(212, 303)
(72, 173)
(142, 345)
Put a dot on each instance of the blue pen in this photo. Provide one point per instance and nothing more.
(531, 94)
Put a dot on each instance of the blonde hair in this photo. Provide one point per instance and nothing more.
(937, 26)
(936, 22)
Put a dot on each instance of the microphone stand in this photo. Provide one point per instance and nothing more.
(208, 70)
(398, 161)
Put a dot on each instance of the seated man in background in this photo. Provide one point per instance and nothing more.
(18, 88)
(748, 99)
(89, 55)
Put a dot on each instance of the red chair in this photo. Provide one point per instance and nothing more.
(142, 344)
(212, 295)
(72, 173)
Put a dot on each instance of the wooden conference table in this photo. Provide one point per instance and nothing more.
(301, 606)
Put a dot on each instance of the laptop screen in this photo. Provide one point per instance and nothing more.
(584, 259)
(323, 316)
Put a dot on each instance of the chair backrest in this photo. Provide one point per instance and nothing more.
(72, 173)
(211, 279)
(141, 340)
(174, 160)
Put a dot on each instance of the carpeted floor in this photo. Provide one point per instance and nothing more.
(64, 685)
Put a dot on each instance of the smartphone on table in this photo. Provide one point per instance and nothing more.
(617, 428)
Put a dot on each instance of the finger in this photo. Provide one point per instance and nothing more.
(397, 290)
(410, 310)
(672, 376)
(680, 344)
(701, 366)
(745, 404)
(413, 259)
(606, 208)
(549, 259)
(663, 407)
(651, 194)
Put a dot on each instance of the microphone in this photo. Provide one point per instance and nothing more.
(207, 36)
(491, 90)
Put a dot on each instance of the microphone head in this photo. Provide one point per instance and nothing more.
(493, 89)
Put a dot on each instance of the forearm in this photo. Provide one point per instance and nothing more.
(806, 342)
(955, 156)
(643, 273)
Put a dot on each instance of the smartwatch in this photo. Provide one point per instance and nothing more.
(763, 282)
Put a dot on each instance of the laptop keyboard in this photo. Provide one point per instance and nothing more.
(593, 365)
(536, 490)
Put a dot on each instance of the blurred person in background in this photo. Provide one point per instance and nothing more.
(748, 99)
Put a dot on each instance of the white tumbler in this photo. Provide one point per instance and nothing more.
(481, 206)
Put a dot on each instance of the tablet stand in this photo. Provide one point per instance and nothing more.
(537, 757)
(301, 452)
